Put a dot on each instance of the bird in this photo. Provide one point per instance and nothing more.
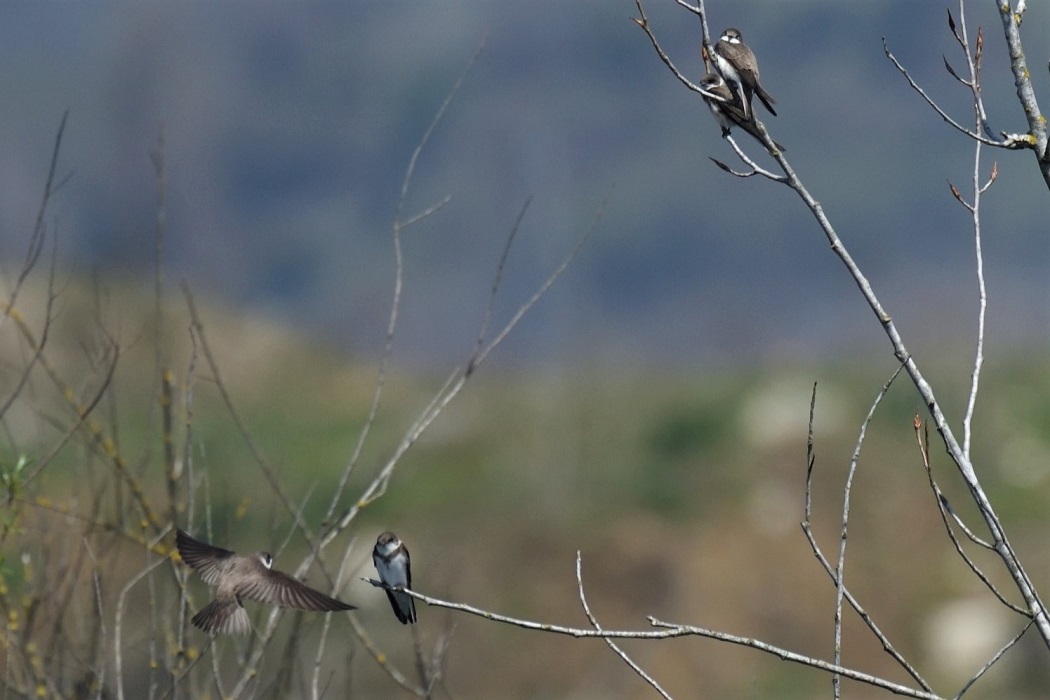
(394, 566)
(240, 576)
(738, 65)
(725, 108)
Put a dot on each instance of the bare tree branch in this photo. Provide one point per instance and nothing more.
(643, 22)
(945, 509)
(1004, 143)
(118, 622)
(395, 305)
(1037, 128)
(839, 575)
(36, 239)
(496, 279)
(1002, 545)
(612, 645)
(832, 573)
(260, 458)
(958, 454)
(670, 630)
(992, 661)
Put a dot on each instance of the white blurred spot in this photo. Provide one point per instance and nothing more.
(960, 636)
(779, 411)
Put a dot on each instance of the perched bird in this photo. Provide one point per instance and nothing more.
(726, 109)
(737, 64)
(239, 576)
(392, 562)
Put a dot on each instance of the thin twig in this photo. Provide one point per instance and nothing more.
(265, 467)
(38, 350)
(189, 667)
(496, 279)
(119, 617)
(973, 64)
(36, 239)
(992, 661)
(756, 169)
(937, 108)
(643, 22)
(437, 661)
(840, 567)
(1003, 548)
(83, 414)
(451, 388)
(547, 284)
(383, 659)
(395, 304)
(612, 645)
(319, 655)
(100, 662)
(99, 437)
(831, 572)
(811, 459)
(945, 509)
(669, 630)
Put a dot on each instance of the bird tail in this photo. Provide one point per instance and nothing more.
(766, 98)
(404, 606)
(223, 618)
(750, 128)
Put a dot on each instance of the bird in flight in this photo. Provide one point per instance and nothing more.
(239, 576)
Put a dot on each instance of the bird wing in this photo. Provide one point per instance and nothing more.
(404, 606)
(747, 67)
(766, 98)
(202, 557)
(406, 611)
(278, 588)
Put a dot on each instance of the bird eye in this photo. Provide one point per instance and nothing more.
(267, 560)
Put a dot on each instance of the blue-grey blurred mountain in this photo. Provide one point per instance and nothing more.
(288, 127)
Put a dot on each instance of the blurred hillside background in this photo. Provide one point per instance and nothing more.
(651, 410)
(288, 128)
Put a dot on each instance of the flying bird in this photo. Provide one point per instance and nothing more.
(738, 65)
(394, 566)
(720, 100)
(239, 576)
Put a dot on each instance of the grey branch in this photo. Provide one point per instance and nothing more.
(612, 645)
(671, 630)
(1005, 143)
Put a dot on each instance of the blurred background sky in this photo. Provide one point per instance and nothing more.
(288, 127)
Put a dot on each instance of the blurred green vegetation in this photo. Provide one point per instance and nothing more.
(682, 489)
